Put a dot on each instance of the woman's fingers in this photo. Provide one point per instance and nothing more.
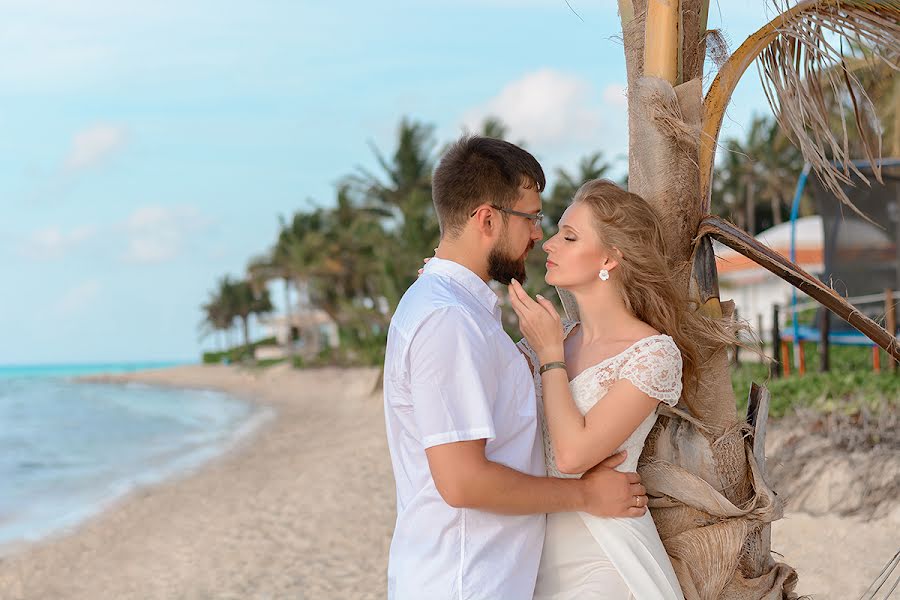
(522, 295)
(548, 306)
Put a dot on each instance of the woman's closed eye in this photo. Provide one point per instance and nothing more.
(569, 239)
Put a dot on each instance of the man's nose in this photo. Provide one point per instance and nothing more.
(537, 234)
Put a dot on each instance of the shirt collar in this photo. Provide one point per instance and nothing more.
(474, 284)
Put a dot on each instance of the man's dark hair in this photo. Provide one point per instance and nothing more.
(476, 170)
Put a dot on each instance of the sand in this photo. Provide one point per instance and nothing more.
(304, 509)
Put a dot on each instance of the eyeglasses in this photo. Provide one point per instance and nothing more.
(534, 218)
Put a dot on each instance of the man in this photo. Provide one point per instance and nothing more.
(460, 411)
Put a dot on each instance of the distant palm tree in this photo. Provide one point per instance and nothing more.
(762, 166)
(276, 264)
(403, 192)
(249, 301)
(592, 166)
(216, 318)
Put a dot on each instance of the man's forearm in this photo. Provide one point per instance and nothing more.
(497, 488)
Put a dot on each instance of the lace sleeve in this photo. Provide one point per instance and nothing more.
(525, 348)
(655, 369)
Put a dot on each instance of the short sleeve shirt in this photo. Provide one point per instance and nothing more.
(452, 374)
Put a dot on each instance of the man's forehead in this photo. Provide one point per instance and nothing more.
(529, 200)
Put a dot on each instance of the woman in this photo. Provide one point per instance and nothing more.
(599, 383)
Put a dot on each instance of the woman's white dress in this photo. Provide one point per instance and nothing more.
(588, 557)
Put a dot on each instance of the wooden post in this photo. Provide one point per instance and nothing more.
(786, 354)
(801, 363)
(876, 358)
(757, 417)
(890, 320)
(824, 340)
(776, 343)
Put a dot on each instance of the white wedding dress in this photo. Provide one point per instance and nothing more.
(594, 558)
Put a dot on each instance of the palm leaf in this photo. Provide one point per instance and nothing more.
(801, 55)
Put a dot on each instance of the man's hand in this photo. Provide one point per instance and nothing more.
(610, 493)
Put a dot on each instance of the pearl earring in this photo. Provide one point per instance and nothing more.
(604, 274)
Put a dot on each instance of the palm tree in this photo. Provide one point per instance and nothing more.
(592, 166)
(276, 264)
(763, 166)
(403, 193)
(711, 503)
(249, 300)
(216, 318)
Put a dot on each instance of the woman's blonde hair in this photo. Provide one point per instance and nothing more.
(627, 223)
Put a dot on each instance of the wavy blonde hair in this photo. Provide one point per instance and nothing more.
(627, 223)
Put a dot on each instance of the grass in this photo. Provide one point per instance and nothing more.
(849, 387)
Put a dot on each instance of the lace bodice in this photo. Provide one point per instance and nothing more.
(652, 364)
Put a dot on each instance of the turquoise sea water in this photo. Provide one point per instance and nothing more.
(69, 449)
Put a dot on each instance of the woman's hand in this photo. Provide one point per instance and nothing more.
(539, 322)
(425, 261)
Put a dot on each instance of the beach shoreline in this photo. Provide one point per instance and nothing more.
(303, 507)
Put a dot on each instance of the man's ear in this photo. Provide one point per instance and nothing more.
(486, 220)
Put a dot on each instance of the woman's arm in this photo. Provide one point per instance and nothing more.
(580, 442)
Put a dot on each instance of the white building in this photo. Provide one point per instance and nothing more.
(312, 330)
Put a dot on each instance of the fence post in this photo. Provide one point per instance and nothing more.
(776, 342)
(824, 341)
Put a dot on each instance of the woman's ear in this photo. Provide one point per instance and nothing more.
(612, 260)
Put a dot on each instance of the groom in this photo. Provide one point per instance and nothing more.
(459, 399)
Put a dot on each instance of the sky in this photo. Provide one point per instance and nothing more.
(148, 148)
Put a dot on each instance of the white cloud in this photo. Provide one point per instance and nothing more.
(546, 108)
(77, 298)
(615, 95)
(158, 234)
(559, 116)
(54, 242)
(93, 145)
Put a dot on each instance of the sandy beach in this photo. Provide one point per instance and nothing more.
(304, 509)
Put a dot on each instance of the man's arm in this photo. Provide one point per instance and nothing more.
(466, 479)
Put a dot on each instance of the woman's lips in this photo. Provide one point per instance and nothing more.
(550, 263)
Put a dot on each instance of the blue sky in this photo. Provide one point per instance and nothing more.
(147, 148)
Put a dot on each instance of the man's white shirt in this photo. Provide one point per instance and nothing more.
(452, 374)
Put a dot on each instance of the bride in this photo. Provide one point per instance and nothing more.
(599, 382)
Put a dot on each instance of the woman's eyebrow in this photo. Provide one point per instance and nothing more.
(568, 227)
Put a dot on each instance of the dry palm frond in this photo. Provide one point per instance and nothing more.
(801, 54)
(767, 258)
(717, 47)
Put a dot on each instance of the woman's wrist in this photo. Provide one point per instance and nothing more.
(551, 355)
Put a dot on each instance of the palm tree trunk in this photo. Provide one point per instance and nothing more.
(751, 206)
(776, 209)
(699, 461)
(245, 325)
(289, 341)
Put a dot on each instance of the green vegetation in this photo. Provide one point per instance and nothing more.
(849, 387)
(238, 354)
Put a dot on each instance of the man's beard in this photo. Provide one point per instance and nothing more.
(503, 268)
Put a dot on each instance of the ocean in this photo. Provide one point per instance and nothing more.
(68, 450)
